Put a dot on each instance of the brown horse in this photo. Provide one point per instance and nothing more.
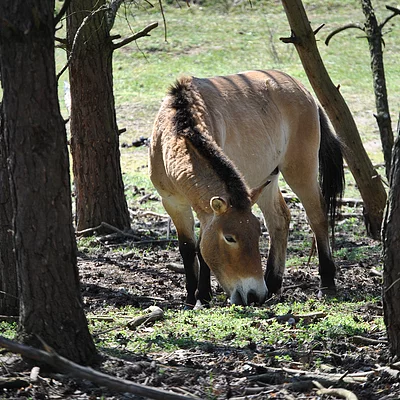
(215, 139)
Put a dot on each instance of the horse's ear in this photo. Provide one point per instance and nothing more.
(255, 193)
(218, 205)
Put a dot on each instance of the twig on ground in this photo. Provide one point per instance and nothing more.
(155, 314)
(176, 268)
(107, 226)
(297, 318)
(62, 364)
(367, 341)
(282, 375)
(346, 394)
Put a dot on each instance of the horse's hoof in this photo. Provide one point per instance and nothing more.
(325, 292)
(199, 306)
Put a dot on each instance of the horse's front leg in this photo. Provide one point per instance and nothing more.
(277, 219)
(203, 294)
(182, 217)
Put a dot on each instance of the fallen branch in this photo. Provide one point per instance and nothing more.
(284, 375)
(156, 314)
(367, 341)
(176, 268)
(106, 226)
(68, 367)
(296, 318)
(346, 394)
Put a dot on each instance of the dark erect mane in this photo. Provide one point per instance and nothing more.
(187, 103)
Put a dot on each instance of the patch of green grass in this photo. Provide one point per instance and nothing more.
(237, 327)
(8, 329)
(358, 253)
(89, 245)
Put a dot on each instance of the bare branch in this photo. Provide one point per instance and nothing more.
(395, 10)
(164, 20)
(62, 12)
(318, 29)
(333, 33)
(62, 364)
(138, 35)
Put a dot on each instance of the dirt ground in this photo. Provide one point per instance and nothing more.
(145, 278)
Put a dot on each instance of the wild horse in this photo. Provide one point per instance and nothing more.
(217, 148)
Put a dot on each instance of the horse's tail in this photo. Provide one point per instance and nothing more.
(331, 170)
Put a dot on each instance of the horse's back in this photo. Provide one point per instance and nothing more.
(260, 116)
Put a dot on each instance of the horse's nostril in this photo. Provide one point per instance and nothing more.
(252, 297)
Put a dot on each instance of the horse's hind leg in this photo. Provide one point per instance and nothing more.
(277, 219)
(182, 217)
(303, 181)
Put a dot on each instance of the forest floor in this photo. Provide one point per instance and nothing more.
(113, 280)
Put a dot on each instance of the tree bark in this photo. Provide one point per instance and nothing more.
(94, 132)
(9, 304)
(35, 138)
(368, 182)
(391, 254)
(374, 36)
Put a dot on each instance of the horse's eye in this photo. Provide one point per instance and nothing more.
(230, 239)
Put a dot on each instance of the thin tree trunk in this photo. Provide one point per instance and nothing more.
(374, 36)
(50, 301)
(9, 304)
(391, 242)
(368, 182)
(94, 132)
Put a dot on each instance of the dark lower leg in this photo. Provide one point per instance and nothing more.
(273, 275)
(204, 283)
(188, 253)
(327, 270)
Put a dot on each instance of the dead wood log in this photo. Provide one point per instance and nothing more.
(346, 394)
(68, 367)
(284, 375)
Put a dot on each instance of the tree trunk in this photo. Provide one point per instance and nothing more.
(94, 132)
(8, 271)
(368, 182)
(35, 137)
(374, 36)
(391, 254)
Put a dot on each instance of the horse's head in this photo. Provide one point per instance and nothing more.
(230, 246)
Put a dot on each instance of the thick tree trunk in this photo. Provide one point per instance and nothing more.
(35, 137)
(94, 132)
(370, 186)
(374, 36)
(9, 303)
(391, 242)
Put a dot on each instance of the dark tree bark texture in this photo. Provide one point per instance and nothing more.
(371, 189)
(9, 304)
(391, 242)
(94, 132)
(35, 137)
(374, 36)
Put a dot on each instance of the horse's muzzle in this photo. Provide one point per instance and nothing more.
(249, 291)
